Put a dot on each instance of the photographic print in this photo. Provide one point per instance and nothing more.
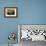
(10, 11)
(32, 32)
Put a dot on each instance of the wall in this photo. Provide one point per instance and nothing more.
(29, 12)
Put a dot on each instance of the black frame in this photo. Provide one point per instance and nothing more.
(11, 16)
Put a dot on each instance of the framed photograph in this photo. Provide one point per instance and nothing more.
(11, 12)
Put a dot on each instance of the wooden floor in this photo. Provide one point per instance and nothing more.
(30, 43)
